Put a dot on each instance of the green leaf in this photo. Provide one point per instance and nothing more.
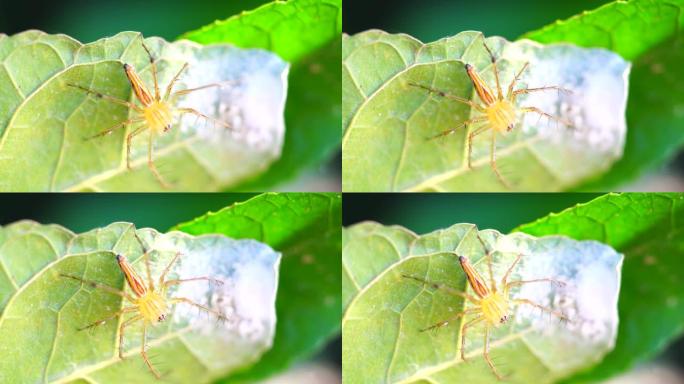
(385, 307)
(648, 32)
(307, 34)
(45, 124)
(292, 29)
(648, 229)
(306, 229)
(312, 115)
(629, 28)
(41, 290)
(389, 122)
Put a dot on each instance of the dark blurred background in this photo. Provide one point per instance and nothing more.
(90, 20)
(425, 212)
(83, 212)
(430, 20)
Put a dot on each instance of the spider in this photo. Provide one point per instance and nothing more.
(497, 113)
(490, 306)
(155, 113)
(149, 303)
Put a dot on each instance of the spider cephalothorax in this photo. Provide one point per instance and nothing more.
(496, 112)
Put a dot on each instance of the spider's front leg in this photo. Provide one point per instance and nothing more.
(488, 359)
(446, 322)
(492, 161)
(470, 138)
(544, 114)
(463, 334)
(199, 114)
(219, 315)
(106, 288)
(445, 288)
(150, 163)
(143, 353)
(122, 328)
(548, 310)
(465, 124)
(112, 316)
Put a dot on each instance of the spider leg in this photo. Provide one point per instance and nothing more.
(492, 161)
(560, 315)
(181, 281)
(150, 163)
(510, 94)
(129, 141)
(486, 354)
(521, 282)
(146, 259)
(202, 115)
(154, 71)
(446, 288)
(463, 334)
(173, 81)
(112, 99)
(544, 114)
(464, 124)
(121, 332)
(102, 321)
(537, 89)
(449, 96)
(471, 136)
(162, 277)
(510, 269)
(103, 287)
(111, 129)
(190, 90)
(218, 314)
(446, 322)
(143, 353)
(496, 71)
(488, 256)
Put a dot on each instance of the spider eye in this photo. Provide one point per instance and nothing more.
(161, 318)
(504, 319)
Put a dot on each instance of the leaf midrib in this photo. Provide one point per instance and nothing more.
(115, 359)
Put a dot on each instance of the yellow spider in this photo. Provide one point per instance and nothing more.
(491, 306)
(498, 113)
(155, 114)
(149, 304)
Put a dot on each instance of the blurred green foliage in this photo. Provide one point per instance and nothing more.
(83, 212)
(90, 20)
(429, 21)
(306, 229)
(647, 228)
(425, 212)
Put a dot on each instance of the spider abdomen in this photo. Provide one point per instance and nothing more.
(158, 116)
(494, 308)
(501, 115)
(152, 306)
